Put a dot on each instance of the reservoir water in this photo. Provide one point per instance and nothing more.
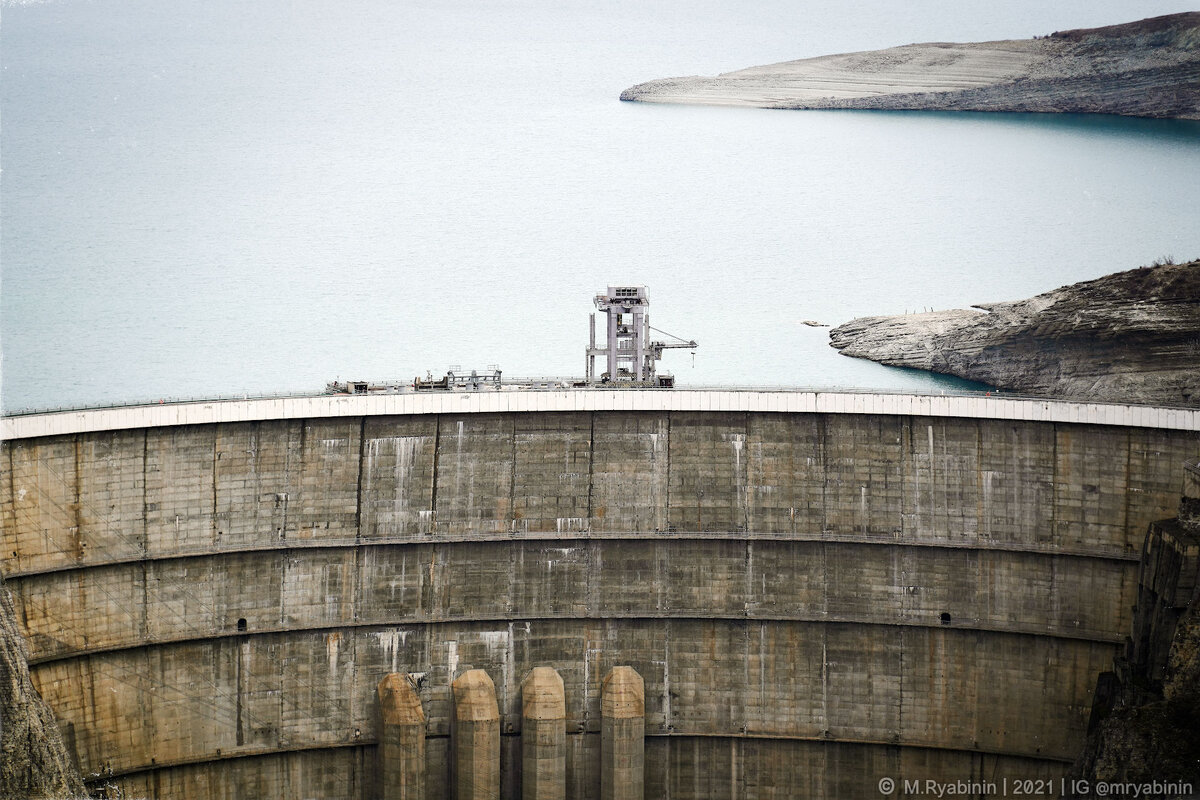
(228, 198)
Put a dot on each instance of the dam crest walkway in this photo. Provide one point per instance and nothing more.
(976, 406)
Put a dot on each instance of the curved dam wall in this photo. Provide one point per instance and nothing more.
(816, 597)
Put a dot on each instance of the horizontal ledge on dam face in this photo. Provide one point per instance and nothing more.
(1091, 637)
(248, 753)
(456, 403)
(1126, 554)
(781, 698)
(600, 580)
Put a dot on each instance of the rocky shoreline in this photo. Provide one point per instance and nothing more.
(1128, 337)
(1149, 68)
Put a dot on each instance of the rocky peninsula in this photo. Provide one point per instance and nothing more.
(1149, 68)
(1128, 337)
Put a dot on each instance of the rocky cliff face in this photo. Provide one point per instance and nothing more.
(34, 763)
(1128, 337)
(1147, 711)
(1153, 738)
(1149, 68)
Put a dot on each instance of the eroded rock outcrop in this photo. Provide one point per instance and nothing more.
(1128, 337)
(1147, 711)
(1149, 68)
(34, 763)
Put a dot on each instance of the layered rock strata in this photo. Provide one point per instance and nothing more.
(1149, 68)
(1128, 337)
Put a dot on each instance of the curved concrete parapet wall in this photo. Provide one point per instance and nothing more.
(204, 412)
(813, 598)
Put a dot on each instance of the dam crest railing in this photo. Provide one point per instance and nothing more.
(552, 397)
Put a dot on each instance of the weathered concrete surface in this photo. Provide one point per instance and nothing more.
(723, 677)
(476, 735)
(543, 736)
(401, 739)
(671, 575)
(1149, 68)
(622, 735)
(1132, 336)
(212, 607)
(738, 767)
(34, 762)
(160, 493)
(706, 767)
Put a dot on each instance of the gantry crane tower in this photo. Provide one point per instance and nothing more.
(630, 352)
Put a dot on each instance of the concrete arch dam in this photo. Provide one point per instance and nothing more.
(819, 591)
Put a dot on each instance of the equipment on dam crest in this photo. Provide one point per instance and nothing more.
(630, 353)
(631, 357)
(455, 379)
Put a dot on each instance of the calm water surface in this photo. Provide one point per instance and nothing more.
(238, 197)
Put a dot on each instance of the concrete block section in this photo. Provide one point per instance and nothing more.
(401, 739)
(543, 736)
(622, 735)
(476, 737)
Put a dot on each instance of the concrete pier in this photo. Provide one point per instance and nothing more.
(622, 735)
(401, 740)
(543, 736)
(476, 737)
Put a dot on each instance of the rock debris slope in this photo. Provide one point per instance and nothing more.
(1149, 68)
(1128, 337)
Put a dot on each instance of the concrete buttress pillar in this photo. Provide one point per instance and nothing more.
(401, 740)
(622, 735)
(543, 736)
(476, 737)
